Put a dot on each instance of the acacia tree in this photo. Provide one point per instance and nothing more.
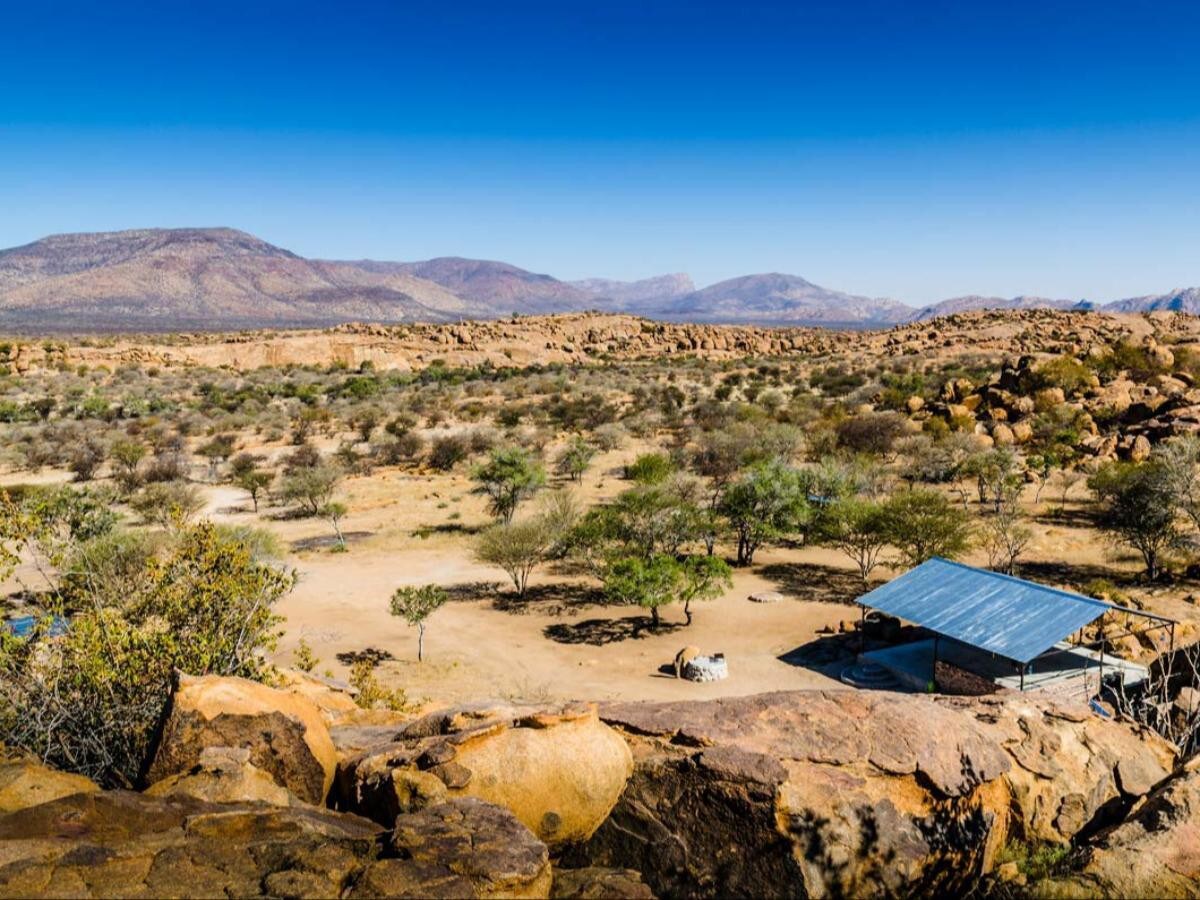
(335, 512)
(703, 578)
(1140, 507)
(922, 524)
(650, 583)
(507, 478)
(415, 605)
(246, 474)
(311, 487)
(575, 459)
(859, 528)
(517, 548)
(1004, 539)
(768, 502)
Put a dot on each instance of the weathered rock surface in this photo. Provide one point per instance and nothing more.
(560, 771)
(815, 793)
(224, 775)
(284, 732)
(25, 782)
(462, 848)
(597, 883)
(1155, 853)
(122, 844)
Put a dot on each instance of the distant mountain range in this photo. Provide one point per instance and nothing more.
(221, 278)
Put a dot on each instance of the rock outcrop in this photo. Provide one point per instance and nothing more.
(224, 775)
(1155, 853)
(25, 782)
(461, 848)
(559, 770)
(122, 844)
(284, 732)
(596, 883)
(854, 792)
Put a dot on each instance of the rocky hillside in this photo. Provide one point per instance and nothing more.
(214, 278)
(976, 302)
(294, 791)
(1187, 301)
(778, 299)
(496, 288)
(647, 293)
(223, 279)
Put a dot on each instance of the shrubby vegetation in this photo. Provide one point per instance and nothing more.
(703, 464)
(128, 609)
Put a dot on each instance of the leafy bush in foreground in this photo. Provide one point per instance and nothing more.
(88, 699)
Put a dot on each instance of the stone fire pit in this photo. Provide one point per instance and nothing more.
(706, 668)
(766, 597)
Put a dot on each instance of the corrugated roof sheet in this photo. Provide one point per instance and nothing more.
(1014, 618)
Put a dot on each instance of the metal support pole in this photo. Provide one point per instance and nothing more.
(933, 674)
(862, 629)
(1023, 676)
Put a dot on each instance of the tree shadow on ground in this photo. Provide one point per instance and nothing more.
(598, 632)
(373, 655)
(328, 541)
(1078, 574)
(469, 591)
(1068, 518)
(552, 599)
(815, 583)
(425, 531)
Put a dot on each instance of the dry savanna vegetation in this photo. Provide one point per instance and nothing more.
(435, 525)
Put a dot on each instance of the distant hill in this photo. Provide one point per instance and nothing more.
(158, 279)
(178, 279)
(647, 292)
(1183, 300)
(496, 288)
(778, 298)
(974, 301)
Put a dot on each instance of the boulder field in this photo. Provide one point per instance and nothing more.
(260, 791)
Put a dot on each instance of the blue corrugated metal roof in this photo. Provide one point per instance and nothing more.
(1014, 618)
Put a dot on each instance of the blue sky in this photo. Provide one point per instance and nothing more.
(904, 149)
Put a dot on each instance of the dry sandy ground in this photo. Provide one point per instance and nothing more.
(408, 529)
(486, 642)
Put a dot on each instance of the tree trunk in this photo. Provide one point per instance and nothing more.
(687, 611)
(654, 616)
(420, 642)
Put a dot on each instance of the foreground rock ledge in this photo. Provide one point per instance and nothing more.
(560, 770)
(284, 732)
(856, 793)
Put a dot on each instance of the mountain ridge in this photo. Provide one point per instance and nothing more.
(220, 278)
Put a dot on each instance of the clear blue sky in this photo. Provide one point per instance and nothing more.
(905, 149)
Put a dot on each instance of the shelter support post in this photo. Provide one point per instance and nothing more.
(933, 668)
(862, 629)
